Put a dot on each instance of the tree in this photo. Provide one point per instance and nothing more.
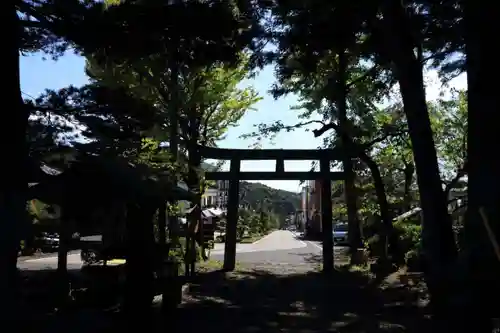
(384, 35)
(52, 26)
(207, 101)
(211, 92)
(449, 122)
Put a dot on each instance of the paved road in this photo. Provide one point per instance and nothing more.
(49, 262)
(281, 247)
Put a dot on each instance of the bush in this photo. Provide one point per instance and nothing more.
(178, 253)
(410, 237)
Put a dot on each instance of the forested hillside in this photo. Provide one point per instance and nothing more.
(257, 195)
(279, 201)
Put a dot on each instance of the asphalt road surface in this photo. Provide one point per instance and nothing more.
(49, 262)
(280, 247)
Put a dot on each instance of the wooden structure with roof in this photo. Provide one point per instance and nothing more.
(127, 196)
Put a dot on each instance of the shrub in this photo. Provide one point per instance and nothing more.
(410, 236)
(179, 252)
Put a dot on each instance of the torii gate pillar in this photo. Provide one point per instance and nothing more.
(232, 217)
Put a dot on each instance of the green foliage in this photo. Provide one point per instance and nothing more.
(178, 254)
(211, 99)
(449, 124)
(409, 233)
(252, 222)
(282, 203)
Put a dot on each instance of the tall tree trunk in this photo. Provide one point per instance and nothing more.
(194, 183)
(437, 234)
(482, 266)
(173, 118)
(388, 229)
(140, 263)
(409, 170)
(354, 234)
(14, 176)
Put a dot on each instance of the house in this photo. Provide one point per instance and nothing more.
(314, 212)
(310, 219)
(210, 198)
(222, 193)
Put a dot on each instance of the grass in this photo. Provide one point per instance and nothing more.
(251, 239)
(212, 265)
(245, 240)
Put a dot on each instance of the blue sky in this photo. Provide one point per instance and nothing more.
(38, 74)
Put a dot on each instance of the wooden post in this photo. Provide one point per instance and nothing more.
(326, 216)
(162, 228)
(232, 217)
(163, 253)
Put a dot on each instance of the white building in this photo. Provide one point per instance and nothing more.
(222, 193)
(214, 196)
(209, 198)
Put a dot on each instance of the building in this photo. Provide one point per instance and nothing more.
(315, 226)
(216, 196)
(222, 193)
(311, 208)
(209, 198)
(301, 215)
(304, 197)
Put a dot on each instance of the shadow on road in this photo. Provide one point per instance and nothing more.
(259, 301)
(340, 256)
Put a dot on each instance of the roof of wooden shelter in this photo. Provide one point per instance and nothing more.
(95, 178)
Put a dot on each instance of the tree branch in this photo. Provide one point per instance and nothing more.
(325, 128)
(363, 146)
(302, 124)
(266, 130)
(382, 138)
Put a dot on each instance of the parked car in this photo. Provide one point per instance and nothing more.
(340, 234)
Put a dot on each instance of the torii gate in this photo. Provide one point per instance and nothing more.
(234, 175)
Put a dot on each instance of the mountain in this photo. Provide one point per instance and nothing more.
(278, 201)
(257, 195)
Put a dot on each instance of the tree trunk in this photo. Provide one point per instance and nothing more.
(140, 264)
(437, 234)
(14, 176)
(409, 170)
(194, 185)
(162, 228)
(480, 263)
(391, 239)
(354, 234)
